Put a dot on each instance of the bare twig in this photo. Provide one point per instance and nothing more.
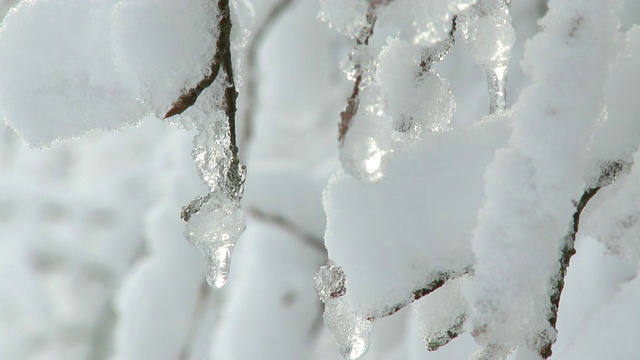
(439, 50)
(427, 289)
(608, 176)
(346, 116)
(308, 239)
(222, 54)
(221, 60)
(252, 60)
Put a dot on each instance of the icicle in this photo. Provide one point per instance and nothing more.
(350, 331)
(214, 229)
(493, 352)
(490, 37)
(215, 221)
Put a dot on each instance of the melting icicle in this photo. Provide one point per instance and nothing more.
(214, 229)
(350, 331)
(493, 352)
(215, 221)
(490, 37)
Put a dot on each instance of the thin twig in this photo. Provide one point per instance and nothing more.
(347, 115)
(308, 239)
(223, 50)
(252, 60)
(608, 176)
(427, 289)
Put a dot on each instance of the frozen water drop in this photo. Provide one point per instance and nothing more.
(490, 39)
(330, 281)
(218, 263)
(365, 159)
(496, 79)
(493, 352)
(350, 331)
(214, 228)
(356, 349)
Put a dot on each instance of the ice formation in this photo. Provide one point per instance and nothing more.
(215, 221)
(60, 80)
(396, 94)
(487, 28)
(350, 330)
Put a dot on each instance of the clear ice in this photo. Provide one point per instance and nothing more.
(365, 157)
(215, 221)
(329, 281)
(493, 352)
(350, 330)
(490, 36)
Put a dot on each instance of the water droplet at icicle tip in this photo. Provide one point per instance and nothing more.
(218, 263)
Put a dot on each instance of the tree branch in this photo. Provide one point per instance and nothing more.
(427, 289)
(346, 116)
(221, 59)
(608, 176)
(308, 239)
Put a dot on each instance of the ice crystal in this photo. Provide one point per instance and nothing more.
(350, 331)
(215, 221)
(490, 36)
(330, 281)
(493, 352)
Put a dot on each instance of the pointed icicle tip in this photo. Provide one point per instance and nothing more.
(218, 263)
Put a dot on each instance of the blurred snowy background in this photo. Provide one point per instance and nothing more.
(93, 263)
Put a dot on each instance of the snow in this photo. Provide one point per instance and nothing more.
(162, 47)
(347, 17)
(424, 186)
(441, 314)
(399, 234)
(532, 184)
(60, 79)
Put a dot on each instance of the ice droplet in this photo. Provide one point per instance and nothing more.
(493, 352)
(218, 266)
(215, 221)
(364, 158)
(350, 331)
(329, 281)
(214, 229)
(490, 37)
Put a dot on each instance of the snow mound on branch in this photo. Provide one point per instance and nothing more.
(395, 236)
(71, 66)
